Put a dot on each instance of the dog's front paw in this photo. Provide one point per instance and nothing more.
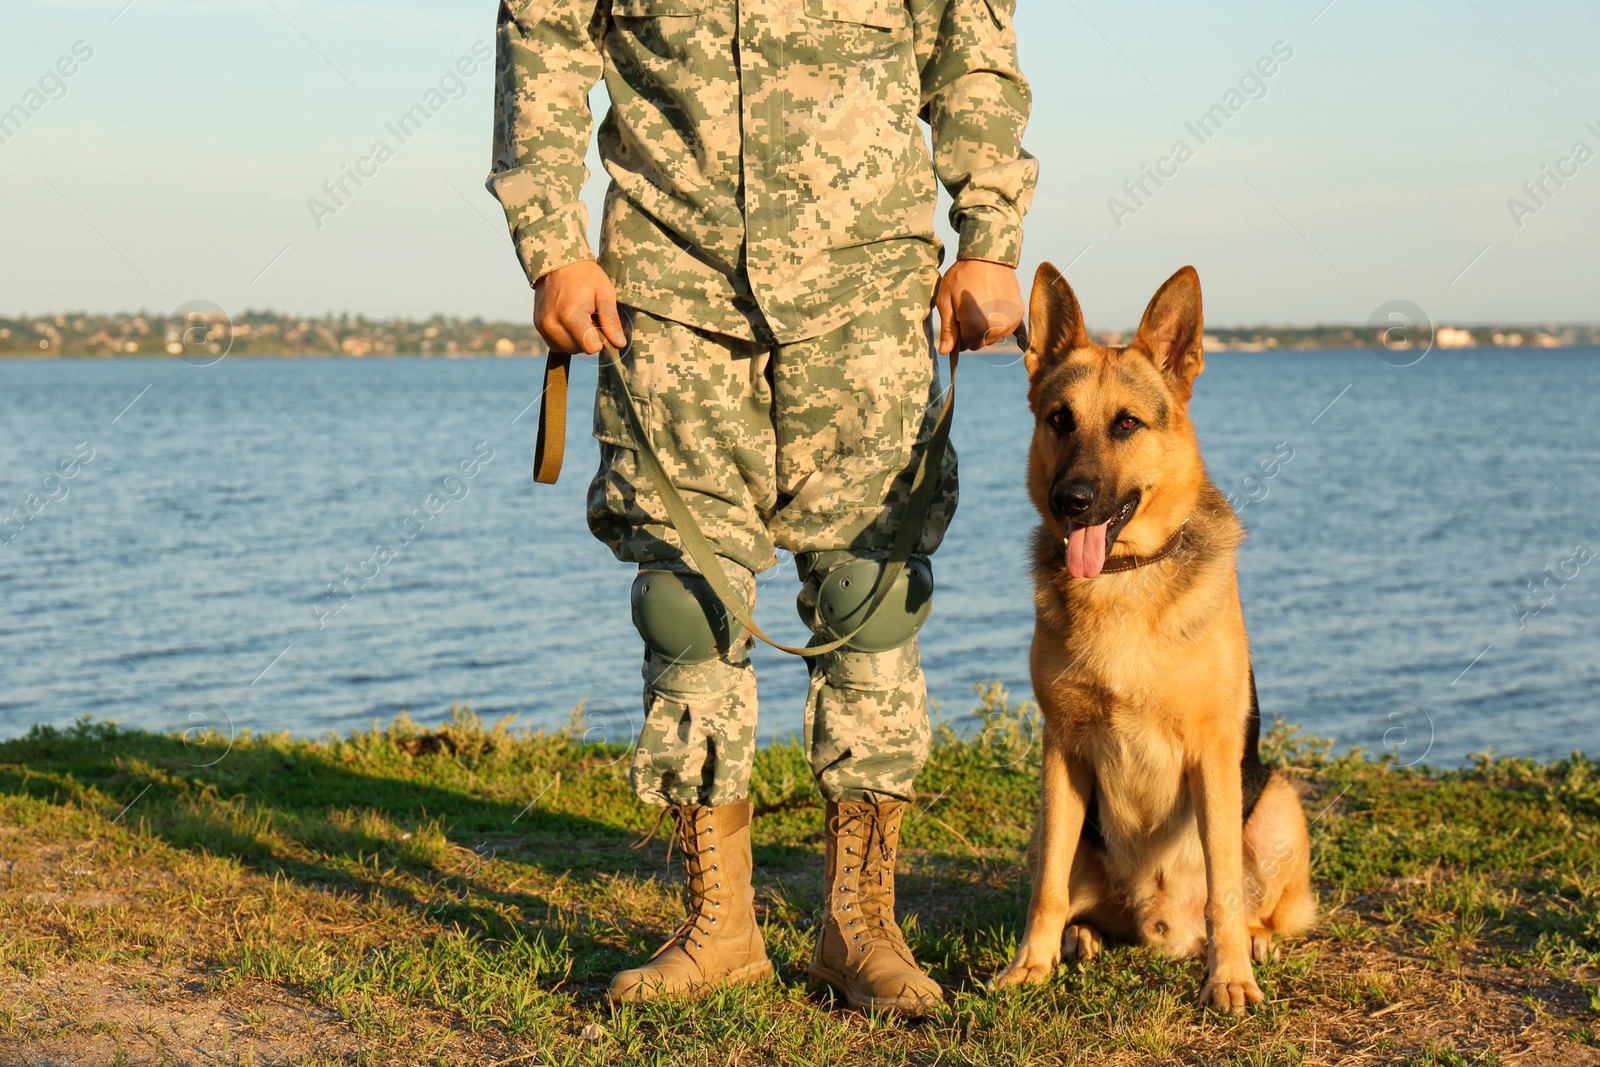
(1231, 993)
(1029, 968)
(1263, 949)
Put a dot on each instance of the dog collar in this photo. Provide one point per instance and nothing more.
(1128, 563)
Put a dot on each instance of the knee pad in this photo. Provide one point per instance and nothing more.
(680, 618)
(846, 591)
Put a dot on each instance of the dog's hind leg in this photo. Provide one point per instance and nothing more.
(1277, 860)
(1098, 909)
(1090, 893)
(1080, 944)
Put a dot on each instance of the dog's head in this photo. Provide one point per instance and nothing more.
(1114, 456)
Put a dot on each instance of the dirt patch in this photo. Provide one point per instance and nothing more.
(1380, 1003)
(102, 1016)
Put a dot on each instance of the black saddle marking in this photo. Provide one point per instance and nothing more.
(1253, 774)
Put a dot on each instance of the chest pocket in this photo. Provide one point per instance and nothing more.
(660, 33)
(651, 8)
(879, 14)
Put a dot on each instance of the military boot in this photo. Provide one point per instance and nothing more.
(861, 952)
(720, 941)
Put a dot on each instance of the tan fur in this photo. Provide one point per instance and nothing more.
(1144, 675)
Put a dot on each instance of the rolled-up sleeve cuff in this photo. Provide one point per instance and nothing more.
(552, 242)
(992, 235)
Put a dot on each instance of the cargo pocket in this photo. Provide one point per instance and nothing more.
(854, 495)
(611, 425)
(620, 502)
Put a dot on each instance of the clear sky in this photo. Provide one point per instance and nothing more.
(1375, 163)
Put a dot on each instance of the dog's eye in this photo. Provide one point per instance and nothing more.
(1061, 421)
(1126, 423)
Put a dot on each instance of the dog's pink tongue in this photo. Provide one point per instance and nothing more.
(1086, 550)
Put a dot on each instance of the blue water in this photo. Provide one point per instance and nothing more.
(181, 575)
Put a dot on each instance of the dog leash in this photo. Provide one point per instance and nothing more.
(549, 451)
(550, 445)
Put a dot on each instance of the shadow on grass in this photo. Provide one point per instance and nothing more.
(363, 816)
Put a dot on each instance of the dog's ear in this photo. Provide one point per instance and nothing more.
(1055, 322)
(1171, 330)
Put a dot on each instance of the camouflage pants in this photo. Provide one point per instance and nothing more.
(807, 447)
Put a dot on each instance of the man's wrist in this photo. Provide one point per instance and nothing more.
(561, 266)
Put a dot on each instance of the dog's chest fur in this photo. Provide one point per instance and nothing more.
(1142, 823)
(1129, 656)
(1128, 651)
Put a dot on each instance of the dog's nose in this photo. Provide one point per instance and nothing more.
(1072, 498)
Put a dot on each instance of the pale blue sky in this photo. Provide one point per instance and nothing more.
(1377, 165)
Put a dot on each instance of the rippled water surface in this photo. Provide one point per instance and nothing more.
(183, 570)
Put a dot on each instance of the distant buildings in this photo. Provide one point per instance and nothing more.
(264, 333)
(1268, 338)
(261, 333)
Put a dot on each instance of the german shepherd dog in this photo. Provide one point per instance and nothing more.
(1158, 823)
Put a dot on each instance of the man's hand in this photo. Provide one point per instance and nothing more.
(979, 304)
(574, 305)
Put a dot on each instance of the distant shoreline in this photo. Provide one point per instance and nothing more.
(205, 332)
(102, 357)
(128, 357)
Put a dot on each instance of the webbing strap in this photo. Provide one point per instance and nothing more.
(551, 443)
(924, 484)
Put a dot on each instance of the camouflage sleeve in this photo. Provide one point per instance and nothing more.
(977, 101)
(549, 59)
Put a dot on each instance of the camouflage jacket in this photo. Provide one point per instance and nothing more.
(767, 165)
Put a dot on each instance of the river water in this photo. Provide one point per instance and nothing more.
(1417, 575)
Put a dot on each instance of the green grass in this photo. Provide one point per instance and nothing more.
(469, 906)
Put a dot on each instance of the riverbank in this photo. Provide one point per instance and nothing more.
(461, 895)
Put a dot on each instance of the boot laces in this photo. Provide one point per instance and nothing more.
(866, 884)
(692, 821)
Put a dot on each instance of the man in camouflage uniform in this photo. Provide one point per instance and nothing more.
(768, 234)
